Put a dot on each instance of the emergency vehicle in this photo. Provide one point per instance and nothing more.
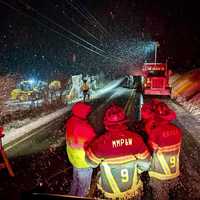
(156, 79)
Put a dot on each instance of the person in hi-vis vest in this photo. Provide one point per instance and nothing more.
(79, 132)
(85, 89)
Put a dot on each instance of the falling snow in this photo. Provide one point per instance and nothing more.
(54, 40)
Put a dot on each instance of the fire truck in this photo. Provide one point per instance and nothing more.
(155, 79)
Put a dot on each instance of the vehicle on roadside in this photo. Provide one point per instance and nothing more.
(156, 79)
(28, 90)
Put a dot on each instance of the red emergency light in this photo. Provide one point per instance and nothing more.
(154, 66)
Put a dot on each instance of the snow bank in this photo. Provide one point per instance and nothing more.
(13, 134)
(186, 90)
(7, 84)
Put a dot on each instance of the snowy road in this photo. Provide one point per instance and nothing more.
(52, 137)
(43, 132)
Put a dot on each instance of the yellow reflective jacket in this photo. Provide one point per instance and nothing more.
(79, 133)
(77, 157)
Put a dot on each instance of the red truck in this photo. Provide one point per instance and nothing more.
(155, 79)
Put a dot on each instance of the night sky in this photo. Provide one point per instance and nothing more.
(43, 37)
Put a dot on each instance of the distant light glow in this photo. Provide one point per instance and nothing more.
(32, 81)
(150, 47)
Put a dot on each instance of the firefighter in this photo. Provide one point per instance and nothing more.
(156, 109)
(165, 112)
(85, 89)
(164, 140)
(147, 114)
(148, 109)
(78, 133)
(122, 156)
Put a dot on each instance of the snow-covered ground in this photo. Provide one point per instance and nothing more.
(187, 120)
(186, 90)
(27, 125)
(18, 132)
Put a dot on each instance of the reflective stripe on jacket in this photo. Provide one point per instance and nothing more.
(165, 163)
(165, 143)
(120, 180)
(78, 134)
(122, 155)
(77, 157)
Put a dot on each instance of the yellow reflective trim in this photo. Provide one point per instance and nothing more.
(177, 166)
(163, 163)
(139, 171)
(163, 176)
(111, 179)
(136, 191)
(170, 148)
(143, 155)
(91, 156)
(120, 160)
(134, 177)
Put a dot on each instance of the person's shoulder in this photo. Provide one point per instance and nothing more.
(85, 124)
(138, 142)
(175, 128)
(103, 138)
(134, 135)
(98, 142)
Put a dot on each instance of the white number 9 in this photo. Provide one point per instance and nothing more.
(172, 161)
(124, 175)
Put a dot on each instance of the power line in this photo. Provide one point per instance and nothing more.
(77, 24)
(91, 16)
(70, 32)
(62, 27)
(74, 22)
(53, 30)
(87, 18)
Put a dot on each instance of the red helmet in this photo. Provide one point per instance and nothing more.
(81, 109)
(162, 109)
(114, 114)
